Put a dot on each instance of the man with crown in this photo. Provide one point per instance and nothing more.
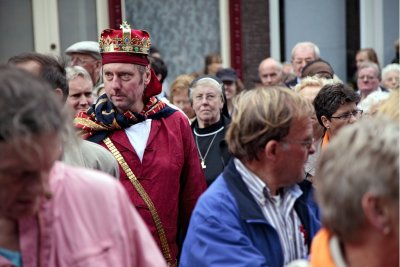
(153, 144)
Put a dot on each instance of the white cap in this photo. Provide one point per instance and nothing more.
(85, 47)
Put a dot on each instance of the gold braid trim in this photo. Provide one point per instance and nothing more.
(149, 203)
(89, 123)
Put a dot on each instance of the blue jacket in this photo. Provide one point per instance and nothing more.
(228, 228)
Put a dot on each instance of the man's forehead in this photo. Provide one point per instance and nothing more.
(119, 67)
(301, 126)
(304, 52)
(368, 70)
(269, 69)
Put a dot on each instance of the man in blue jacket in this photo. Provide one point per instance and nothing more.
(260, 211)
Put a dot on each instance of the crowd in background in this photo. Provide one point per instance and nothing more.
(103, 163)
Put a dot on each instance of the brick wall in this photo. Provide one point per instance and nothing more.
(255, 37)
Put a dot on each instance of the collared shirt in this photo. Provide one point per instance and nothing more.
(279, 212)
(88, 221)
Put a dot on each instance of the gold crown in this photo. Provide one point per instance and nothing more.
(126, 40)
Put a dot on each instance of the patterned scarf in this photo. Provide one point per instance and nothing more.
(102, 118)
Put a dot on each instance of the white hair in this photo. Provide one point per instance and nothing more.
(389, 68)
(77, 71)
(309, 44)
(372, 100)
(206, 81)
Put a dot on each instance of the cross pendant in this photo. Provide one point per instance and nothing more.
(203, 165)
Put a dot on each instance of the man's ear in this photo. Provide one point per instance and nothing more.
(98, 67)
(271, 149)
(147, 75)
(376, 212)
(59, 94)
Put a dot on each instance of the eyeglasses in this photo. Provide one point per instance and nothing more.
(345, 117)
(307, 144)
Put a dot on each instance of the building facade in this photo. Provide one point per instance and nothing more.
(243, 31)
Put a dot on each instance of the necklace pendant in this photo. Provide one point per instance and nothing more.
(203, 165)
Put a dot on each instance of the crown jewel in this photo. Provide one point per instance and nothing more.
(125, 40)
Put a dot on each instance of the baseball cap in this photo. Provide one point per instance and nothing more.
(227, 74)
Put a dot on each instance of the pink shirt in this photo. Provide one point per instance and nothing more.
(89, 221)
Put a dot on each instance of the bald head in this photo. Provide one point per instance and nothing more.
(270, 72)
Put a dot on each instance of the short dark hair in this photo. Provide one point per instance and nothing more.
(29, 107)
(153, 50)
(331, 97)
(159, 67)
(52, 69)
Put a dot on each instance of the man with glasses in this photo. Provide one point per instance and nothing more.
(259, 211)
(87, 55)
(302, 53)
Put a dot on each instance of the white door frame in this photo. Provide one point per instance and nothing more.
(46, 24)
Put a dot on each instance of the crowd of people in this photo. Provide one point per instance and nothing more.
(103, 163)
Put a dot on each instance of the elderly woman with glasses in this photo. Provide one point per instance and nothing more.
(336, 106)
(210, 125)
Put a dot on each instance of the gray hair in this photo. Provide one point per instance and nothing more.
(370, 64)
(394, 67)
(341, 184)
(309, 44)
(205, 81)
(77, 71)
(28, 108)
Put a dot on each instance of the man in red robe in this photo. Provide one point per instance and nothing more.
(163, 175)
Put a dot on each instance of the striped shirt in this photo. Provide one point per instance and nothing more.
(279, 212)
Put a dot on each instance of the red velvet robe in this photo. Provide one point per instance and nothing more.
(170, 173)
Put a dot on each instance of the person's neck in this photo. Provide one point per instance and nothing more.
(229, 104)
(366, 93)
(205, 124)
(136, 108)
(373, 250)
(9, 236)
(260, 169)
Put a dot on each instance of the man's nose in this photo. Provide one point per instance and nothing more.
(83, 100)
(115, 82)
(312, 149)
(303, 63)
